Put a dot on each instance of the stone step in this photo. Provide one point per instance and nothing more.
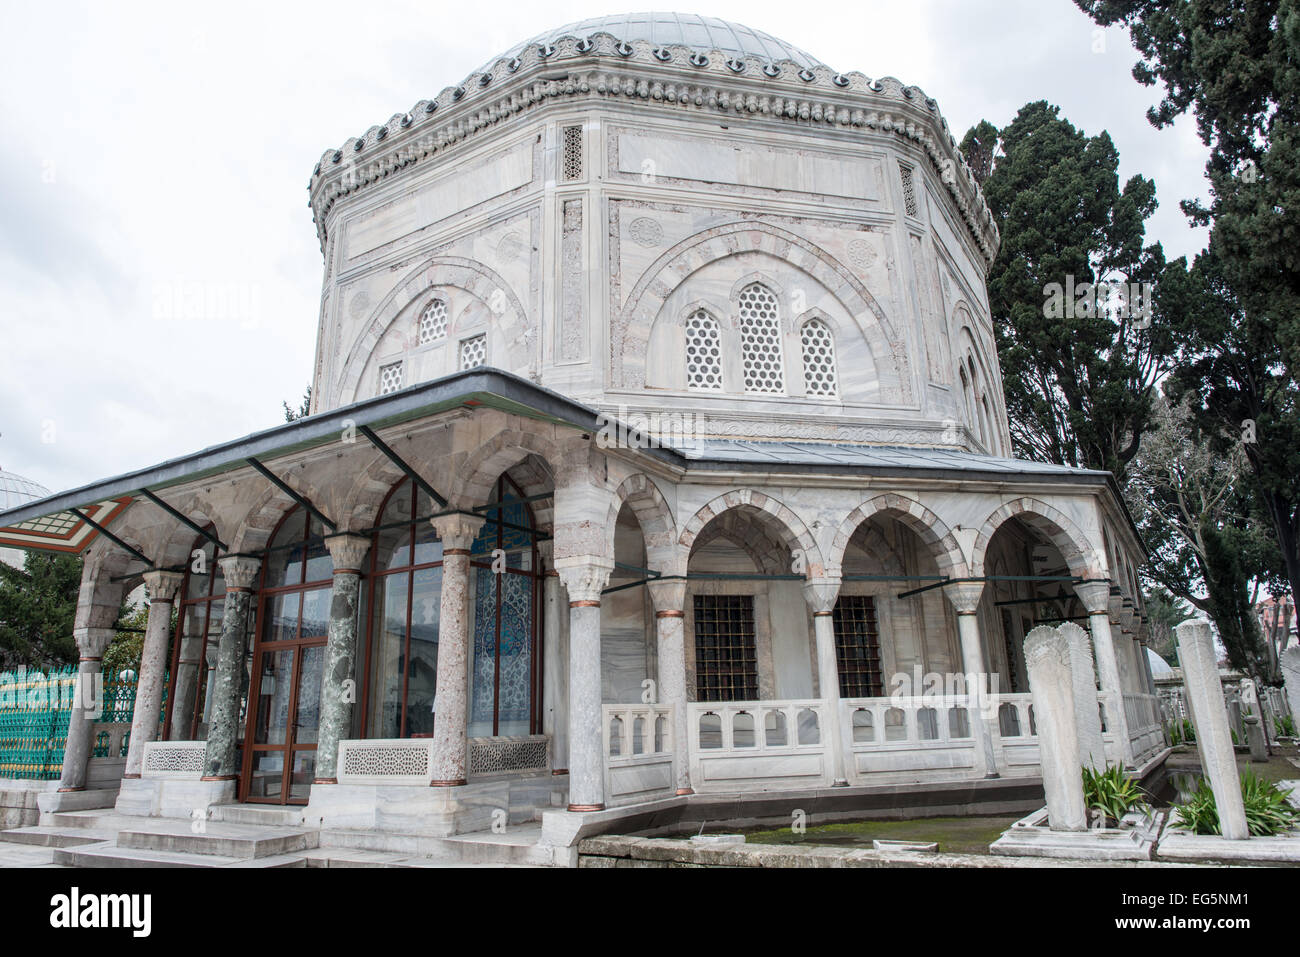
(96, 819)
(57, 836)
(270, 815)
(516, 846)
(108, 854)
(237, 841)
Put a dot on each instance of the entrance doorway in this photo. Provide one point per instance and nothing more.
(283, 714)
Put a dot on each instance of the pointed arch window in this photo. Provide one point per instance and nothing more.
(818, 345)
(433, 322)
(760, 340)
(703, 352)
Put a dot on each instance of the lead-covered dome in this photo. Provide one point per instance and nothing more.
(16, 490)
(704, 34)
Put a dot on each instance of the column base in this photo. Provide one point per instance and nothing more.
(458, 783)
(560, 771)
(130, 777)
(682, 792)
(220, 777)
(69, 790)
(326, 781)
(840, 784)
(991, 776)
(586, 807)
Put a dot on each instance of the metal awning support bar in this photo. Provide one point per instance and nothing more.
(183, 519)
(992, 578)
(300, 499)
(110, 536)
(397, 460)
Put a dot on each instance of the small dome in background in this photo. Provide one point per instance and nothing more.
(16, 490)
(1159, 666)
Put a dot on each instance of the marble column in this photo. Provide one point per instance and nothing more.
(1095, 597)
(1087, 717)
(1209, 715)
(451, 693)
(821, 594)
(162, 586)
(338, 687)
(965, 598)
(669, 599)
(240, 572)
(1047, 659)
(87, 707)
(585, 580)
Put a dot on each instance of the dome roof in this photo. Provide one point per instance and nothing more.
(1159, 667)
(704, 34)
(16, 490)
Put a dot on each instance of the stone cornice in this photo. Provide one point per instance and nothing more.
(672, 76)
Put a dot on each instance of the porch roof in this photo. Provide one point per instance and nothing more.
(51, 524)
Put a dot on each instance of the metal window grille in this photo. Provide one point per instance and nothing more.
(573, 152)
(857, 647)
(473, 352)
(726, 664)
(433, 321)
(818, 358)
(703, 352)
(909, 190)
(760, 340)
(390, 378)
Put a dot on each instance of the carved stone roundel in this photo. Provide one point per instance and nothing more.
(861, 254)
(646, 232)
(511, 247)
(359, 304)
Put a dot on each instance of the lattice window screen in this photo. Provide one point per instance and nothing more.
(572, 152)
(703, 352)
(473, 352)
(819, 377)
(909, 191)
(726, 662)
(857, 647)
(390, 378)
(433, 321)
(760, 340)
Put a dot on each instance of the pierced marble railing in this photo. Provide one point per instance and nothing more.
(638, 743)
(907, 739)
(757, 745)
(174, 759)
(1145, 731)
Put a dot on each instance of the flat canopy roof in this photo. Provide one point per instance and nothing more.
(69, 521)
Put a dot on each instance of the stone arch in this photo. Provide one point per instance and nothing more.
(630, 329)
(473, 277)
(177, 545)
(254, 530)
(927, 525)
(369, 489)
(481, 468)
(658, 528)
(1079, 553)
(789, 527)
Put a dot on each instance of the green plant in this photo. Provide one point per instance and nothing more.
(1181, 732)
(1111, 792)
(1233, 732)
(1267, 809)
(1284, 727)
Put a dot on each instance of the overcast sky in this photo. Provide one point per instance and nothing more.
(152, 149)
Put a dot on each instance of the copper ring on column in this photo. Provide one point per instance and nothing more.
(670, 613)
(584, 603)
(586, 807)
(459, 782)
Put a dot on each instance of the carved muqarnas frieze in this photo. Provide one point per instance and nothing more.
(631, 325)
(573, 319)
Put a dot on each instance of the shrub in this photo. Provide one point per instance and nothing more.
(1284, 727)
(1110, 792)
(1267, 809)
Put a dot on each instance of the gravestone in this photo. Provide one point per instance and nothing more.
(1087, 713)
(1047, 659)
(1291, 675)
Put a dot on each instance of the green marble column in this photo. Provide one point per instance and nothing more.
(338, 690)
(223, 727)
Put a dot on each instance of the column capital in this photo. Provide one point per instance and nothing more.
(457, 530)
(821, 593)
(965, 596)
(1095, 596)
(91, 642)
(348, 551)
(240, 571)
(667, 596)
(162, 585)
(584, 578)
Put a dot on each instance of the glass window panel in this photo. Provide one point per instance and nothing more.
(316, 612)
(427, 547)
(282, 617)
(273, 697)
(394, 548)
(421, 682)
(304, 772)
(320, 564)
(387, 657)
(307, 727)
(267, 779)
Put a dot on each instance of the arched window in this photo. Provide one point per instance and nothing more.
(703, 352)
(818, 345)
(760, 340)
(198, 632)
(288, 661)
(401, 664)
(433, 321)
